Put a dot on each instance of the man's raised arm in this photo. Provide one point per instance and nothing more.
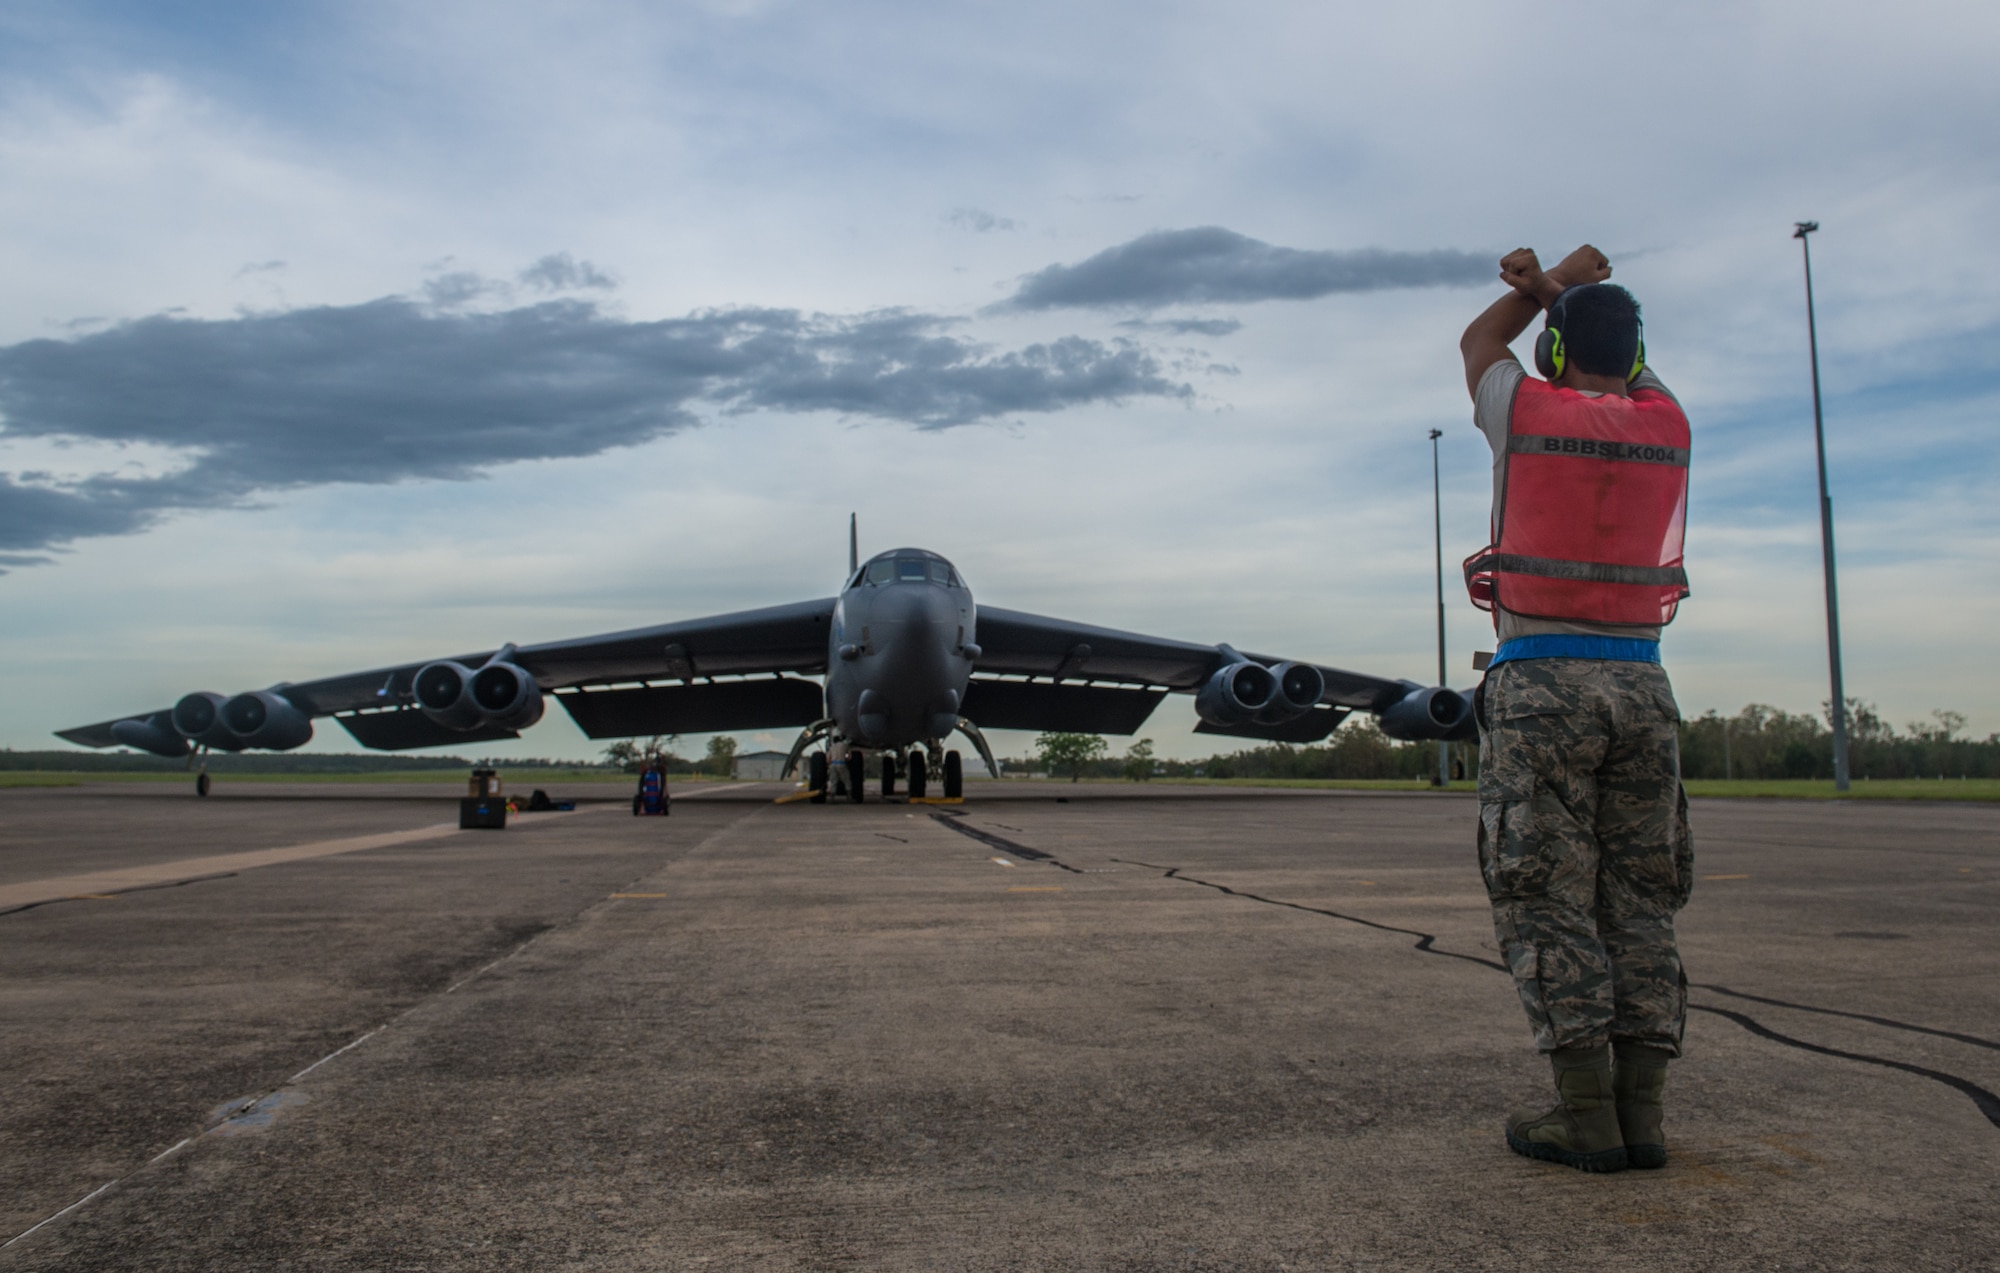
(1486, 341)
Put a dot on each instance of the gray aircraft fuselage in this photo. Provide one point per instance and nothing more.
(901, 651)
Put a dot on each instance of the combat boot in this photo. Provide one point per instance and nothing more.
(1640, 1081)
(1582, 1130)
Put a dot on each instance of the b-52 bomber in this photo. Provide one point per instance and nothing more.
(907, 659)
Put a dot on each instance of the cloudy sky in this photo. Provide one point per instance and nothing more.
(345, 334)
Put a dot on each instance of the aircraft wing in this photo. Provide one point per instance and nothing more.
(601, 680)
(1101, 680)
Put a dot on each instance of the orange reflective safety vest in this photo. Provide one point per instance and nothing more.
(1592, 512)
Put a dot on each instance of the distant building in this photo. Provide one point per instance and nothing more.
(759, 766)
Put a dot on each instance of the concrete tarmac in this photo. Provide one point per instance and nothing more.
(1102, 1027)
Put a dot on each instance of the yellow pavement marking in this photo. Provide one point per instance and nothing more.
(796, 795)
(1725, 877)
(937, 800)
(102, 883)
(1037, 888)
(638, 895)
(93, 897)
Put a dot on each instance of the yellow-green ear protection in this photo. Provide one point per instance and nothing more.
(1549, 356)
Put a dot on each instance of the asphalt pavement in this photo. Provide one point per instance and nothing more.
(1096, 1026)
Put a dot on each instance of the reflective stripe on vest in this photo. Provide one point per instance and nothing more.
(1592, 511)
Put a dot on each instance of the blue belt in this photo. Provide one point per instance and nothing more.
(1555, 645)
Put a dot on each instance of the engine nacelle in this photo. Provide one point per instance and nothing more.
(198, 718)
(1299, 688)
(506, 696)
(155, 733)
(264, 719)
(443, 692)
(1235, 694)
(498, 695)
(1428, 714)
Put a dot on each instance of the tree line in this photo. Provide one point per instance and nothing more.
(1758, 742)
(1358, 749)
(1762, 741)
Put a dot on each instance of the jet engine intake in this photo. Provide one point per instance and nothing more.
(507, 696)
(1236, 693)
(500, 695)
(198, 718)
(268, 720)
(1428, 714)
(442, 692)
(1299, 687)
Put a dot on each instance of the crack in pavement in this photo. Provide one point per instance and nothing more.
(1985, 1101)
(1890, 1022)
(1426, 942)
(1988, 1103)
(1002, 842)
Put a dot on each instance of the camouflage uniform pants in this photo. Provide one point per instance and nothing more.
(1584, 843)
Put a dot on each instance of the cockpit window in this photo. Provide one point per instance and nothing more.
(941, 573)
(910, 569)
(881, 571)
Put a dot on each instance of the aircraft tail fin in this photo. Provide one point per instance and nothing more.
(853, 545)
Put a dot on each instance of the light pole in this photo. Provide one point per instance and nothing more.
(1800, 231)
(1437, 527)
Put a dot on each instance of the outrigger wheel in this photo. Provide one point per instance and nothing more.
(954, 776)
(201, 783)
(918, 774)
(816, 776)
(888, 773)
(856, 775)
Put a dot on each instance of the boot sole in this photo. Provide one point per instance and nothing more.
(1604, 1160)
(1646, 1157)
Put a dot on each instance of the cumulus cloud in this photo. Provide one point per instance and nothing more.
(561, 272)
(395, 389)
(1211, 264)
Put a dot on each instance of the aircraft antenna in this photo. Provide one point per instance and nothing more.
(853, 546)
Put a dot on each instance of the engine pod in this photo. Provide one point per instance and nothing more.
(1426, 714)
(267, 720)
(155, 733)
(1235, 694)
(507, 697)
(443, 692)
(198, 718)
(1298, 690)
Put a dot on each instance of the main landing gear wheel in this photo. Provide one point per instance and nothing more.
(201, 783)
(638, 805)
(918, 775)
(954, 777)
(816, 776)
(888, 773)
(857, 773)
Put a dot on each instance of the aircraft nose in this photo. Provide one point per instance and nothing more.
(916, 606)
